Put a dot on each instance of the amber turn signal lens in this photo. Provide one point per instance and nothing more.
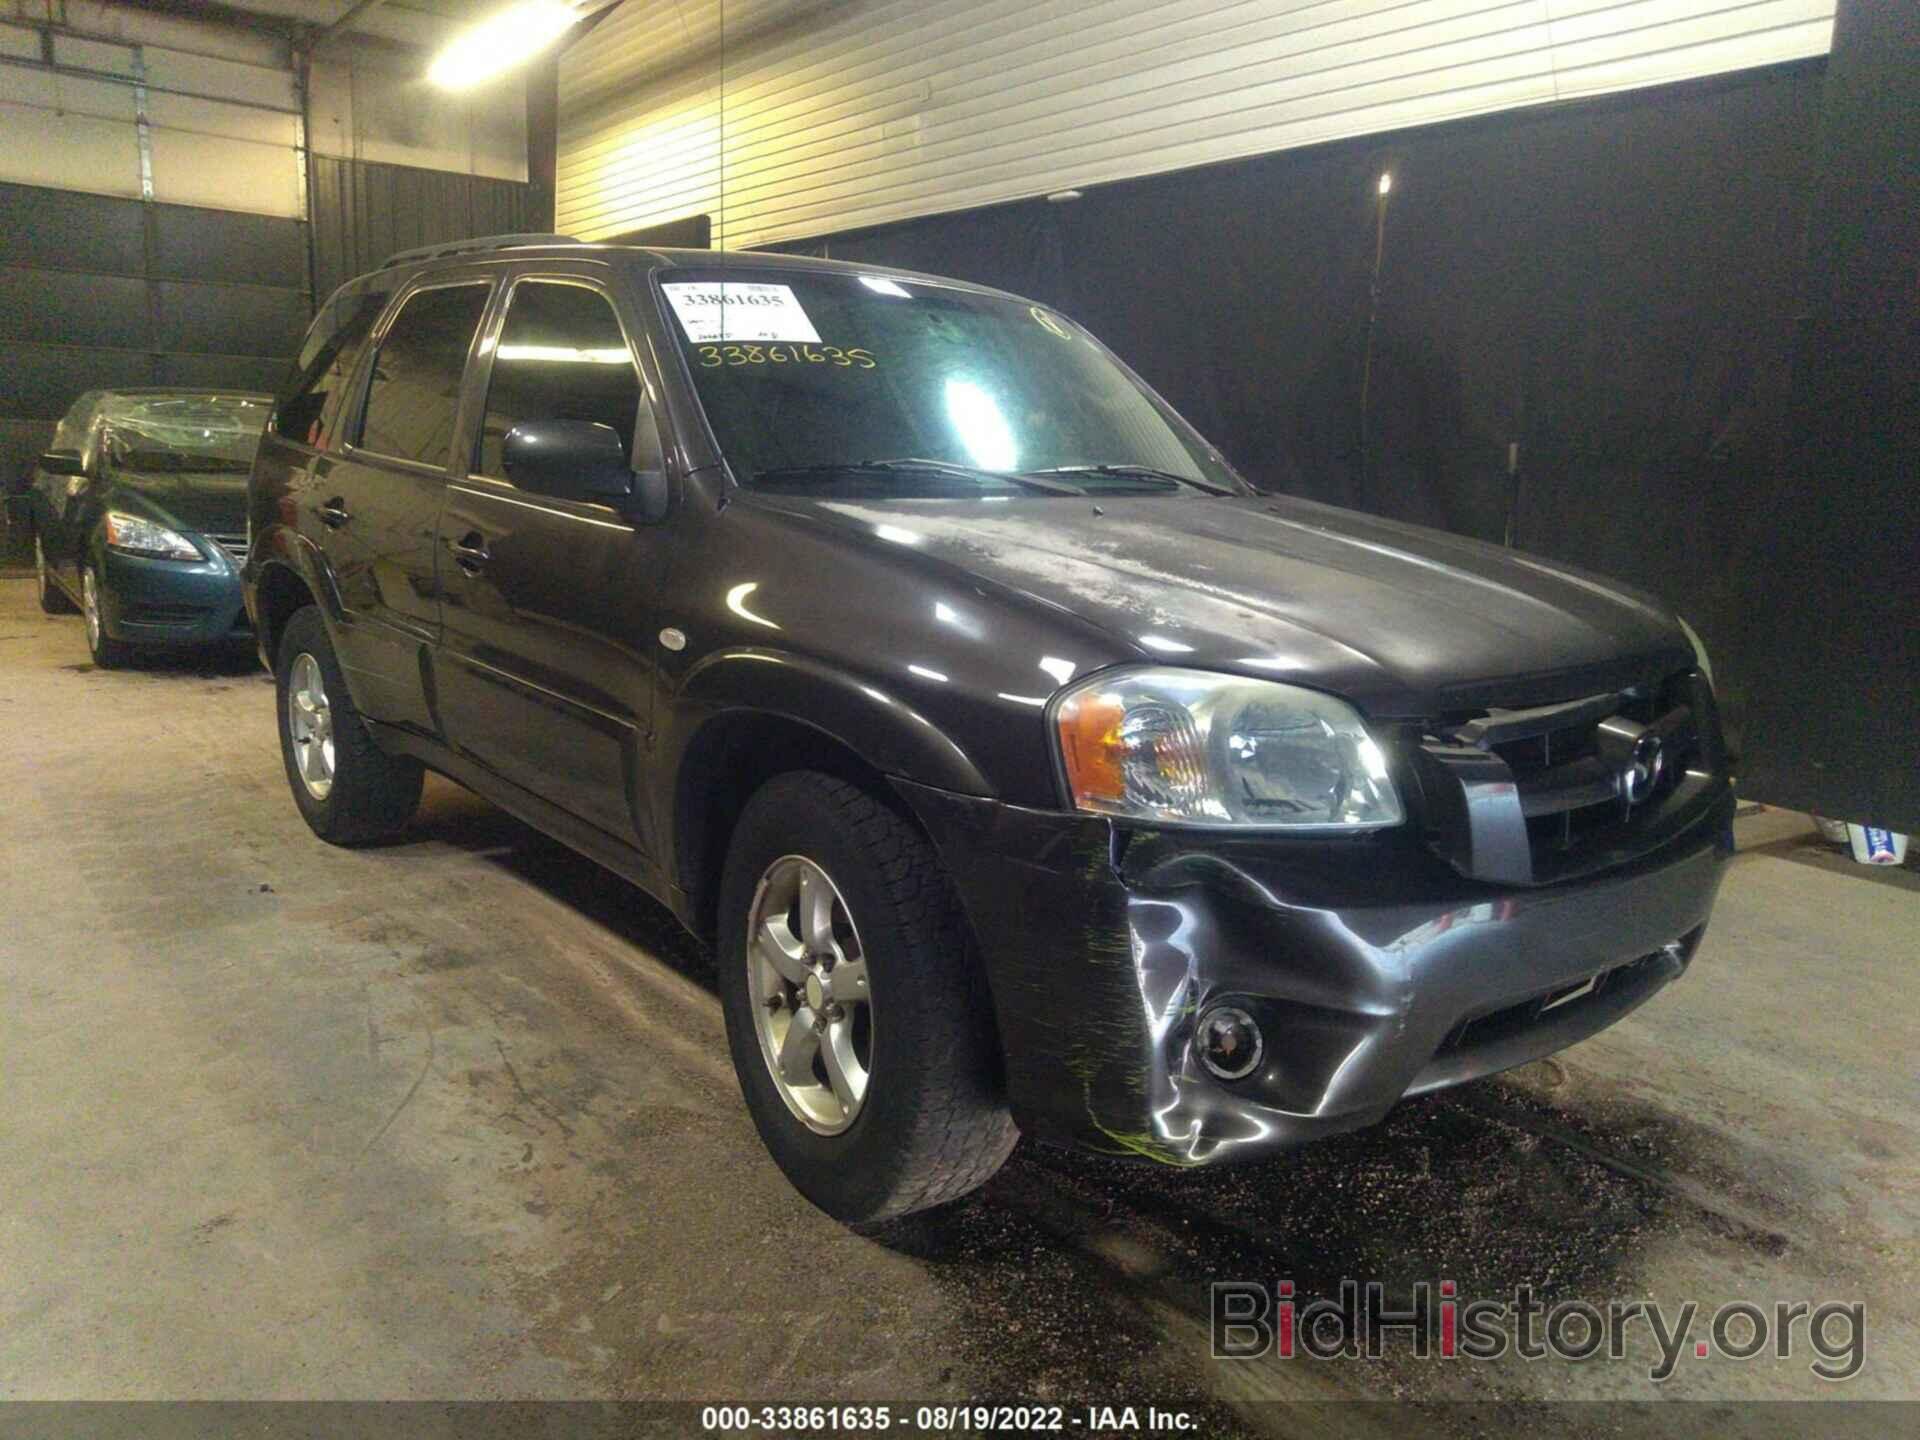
(1090, 744)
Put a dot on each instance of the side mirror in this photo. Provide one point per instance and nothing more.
(571, 459)
(63, 462)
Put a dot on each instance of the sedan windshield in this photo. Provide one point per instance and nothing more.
(871, 384)
(205, 434)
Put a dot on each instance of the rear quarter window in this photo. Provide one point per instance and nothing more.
(309, 405)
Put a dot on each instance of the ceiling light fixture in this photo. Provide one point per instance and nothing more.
(497, 44)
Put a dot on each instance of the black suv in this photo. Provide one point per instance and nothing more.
(1027, 767)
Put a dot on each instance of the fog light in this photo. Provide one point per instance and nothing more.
(1229, 1043)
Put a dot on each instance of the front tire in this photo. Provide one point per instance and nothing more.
(108, 653)
(53, 600)
(350, 791)
(856, 1012)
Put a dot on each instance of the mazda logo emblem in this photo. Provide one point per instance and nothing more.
(1641, 773)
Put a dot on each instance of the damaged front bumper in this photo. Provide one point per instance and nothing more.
(1374, 970)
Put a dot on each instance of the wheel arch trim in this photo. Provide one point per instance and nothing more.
(884, 730)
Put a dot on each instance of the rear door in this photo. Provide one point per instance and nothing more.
(546, 670)
(373, 505)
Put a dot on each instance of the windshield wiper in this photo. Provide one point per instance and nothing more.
(912, 465)
(1140, 472)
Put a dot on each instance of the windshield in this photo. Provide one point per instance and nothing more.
(863, 382)
(205, 434)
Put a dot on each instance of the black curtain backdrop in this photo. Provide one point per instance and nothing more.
(1614, 286)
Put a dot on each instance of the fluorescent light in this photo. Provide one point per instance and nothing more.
(898, 534)
(1386, 181)
(503, 40)
(880, 285)
(925, 674)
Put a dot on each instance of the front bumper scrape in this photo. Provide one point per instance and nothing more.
(1374, 970)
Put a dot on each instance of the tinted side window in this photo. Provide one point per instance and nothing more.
(561, 356)
(310, 401)
(415, 395)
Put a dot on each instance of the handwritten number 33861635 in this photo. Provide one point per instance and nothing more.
(712, 357)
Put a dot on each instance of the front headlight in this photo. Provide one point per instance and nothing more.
(1699, 652)
(134, 536)
(1185, 747)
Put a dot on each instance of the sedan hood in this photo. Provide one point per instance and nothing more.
(212, 503)
(1403, 620)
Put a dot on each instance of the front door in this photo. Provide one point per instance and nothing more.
(545, 673)
(65, 503)
(375, 504)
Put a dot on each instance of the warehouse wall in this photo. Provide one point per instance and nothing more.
(164, 220)
(372, 104)
(846, 113)
(150, 108)
(364, 212)
(151, 209)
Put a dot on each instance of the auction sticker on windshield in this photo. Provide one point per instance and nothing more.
(739, 310)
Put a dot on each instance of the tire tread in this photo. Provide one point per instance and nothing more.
(958, 1132)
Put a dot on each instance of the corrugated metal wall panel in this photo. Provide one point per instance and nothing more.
(98, 291)
(133, 287)
(856, 113)
(364, 212)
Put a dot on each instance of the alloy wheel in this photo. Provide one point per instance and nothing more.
(310, 725)
(90, 606)
(807, 977)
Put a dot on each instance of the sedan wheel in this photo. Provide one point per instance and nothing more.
(310, 724)
(808, 970)
(90, 607)
(108, 653)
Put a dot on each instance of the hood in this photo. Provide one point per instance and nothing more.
(209, 503)
(1403, 620)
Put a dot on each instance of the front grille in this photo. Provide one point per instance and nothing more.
(234, 545)
(1545, 792)
(161, 614)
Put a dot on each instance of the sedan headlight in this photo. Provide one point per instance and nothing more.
(134, 536)
(1185, 747)
(1699, 652)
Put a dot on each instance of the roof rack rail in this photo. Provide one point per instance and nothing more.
(478, 242)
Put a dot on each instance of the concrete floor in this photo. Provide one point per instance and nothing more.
(454, 1118)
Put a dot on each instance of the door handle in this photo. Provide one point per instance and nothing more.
(470, 552)
(334, 513)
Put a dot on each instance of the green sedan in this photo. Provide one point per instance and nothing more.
(139, 517)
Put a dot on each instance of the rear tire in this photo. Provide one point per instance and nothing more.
(350, 791)
(53, 600)
(929, 1122)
